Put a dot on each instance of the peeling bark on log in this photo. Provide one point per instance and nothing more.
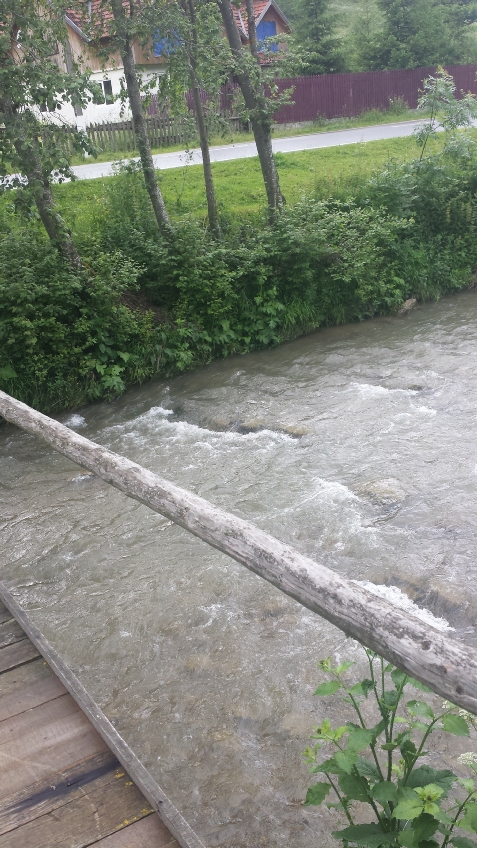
(445, 665)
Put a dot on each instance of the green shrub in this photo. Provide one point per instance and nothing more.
(65, 337)
(375, 770)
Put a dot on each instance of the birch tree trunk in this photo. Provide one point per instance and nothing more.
(140, 126)
(256, 103)
(189, 10)
(28, 151)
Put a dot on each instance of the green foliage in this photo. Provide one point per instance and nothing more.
(446, 111)
(412, 805)
(31, 37)
(149, 305)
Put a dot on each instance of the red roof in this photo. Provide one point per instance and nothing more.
(260, 8)
(94, 14)
(97, 14)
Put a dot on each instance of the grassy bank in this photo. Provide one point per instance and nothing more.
(365, 228)
(332, 171)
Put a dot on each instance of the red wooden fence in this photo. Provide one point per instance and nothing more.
(346, 95)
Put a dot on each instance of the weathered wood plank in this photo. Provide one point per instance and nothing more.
(17, 654)
(38, 717)
(61, 788)
(46, 750)
(54, 791)
(30, 694)
(446, 666)
(150, 832)
(151, 790)
(100, 810)
(5, 615)
(10, 632)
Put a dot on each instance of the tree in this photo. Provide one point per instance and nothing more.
(189, 32)
(316, 32)
(32, 39)
(420, 33)
(247, 70)
(108, 36)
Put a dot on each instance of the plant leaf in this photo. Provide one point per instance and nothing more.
(420, 708)
(385, 791)
(359, 739)
(355, 787)
(424, 775)
(317, 794)
(343, 667)
(369, 835)
(469, 822)
(346, 760)
(328, 688)
(367, 769)
(7, 373)
(328, 767)
(463, 842)
(397, 677)
(425, 826)
(455, 724)
(409, 807)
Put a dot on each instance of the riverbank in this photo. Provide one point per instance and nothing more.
(358, 245)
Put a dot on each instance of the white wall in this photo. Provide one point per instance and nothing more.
(100, 113)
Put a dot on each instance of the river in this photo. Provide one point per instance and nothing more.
(356, 445)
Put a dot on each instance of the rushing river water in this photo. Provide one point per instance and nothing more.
(357, 445)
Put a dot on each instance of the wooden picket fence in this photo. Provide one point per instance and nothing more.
(163, 132)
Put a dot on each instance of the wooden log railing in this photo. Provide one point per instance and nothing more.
(440, 662)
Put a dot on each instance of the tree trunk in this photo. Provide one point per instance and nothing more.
(256, 103)
(140, 126)
(28, 151)
(201, 125)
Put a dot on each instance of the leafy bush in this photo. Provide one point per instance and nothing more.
(376, 765)
(410, 231)
(65, 337)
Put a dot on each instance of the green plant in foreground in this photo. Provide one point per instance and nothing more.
(413, 805)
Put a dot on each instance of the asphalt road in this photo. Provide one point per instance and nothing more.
(247, 149)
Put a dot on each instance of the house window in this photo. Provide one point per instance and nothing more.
(108, 91)
(165, 46)
(266, 29)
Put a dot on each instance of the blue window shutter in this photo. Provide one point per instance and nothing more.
(159, 44)
(165, 46)
(267, 29)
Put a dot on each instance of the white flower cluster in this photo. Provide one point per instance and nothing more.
(468, 759)
(469, 717)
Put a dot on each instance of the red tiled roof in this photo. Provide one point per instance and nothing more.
(95, 14)
(260, 7)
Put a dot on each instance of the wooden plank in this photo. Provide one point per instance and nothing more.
(10, 632)
(39, 717)
(29, 694)
(17, 654)
(150, 832)
(103, 808)
(57, 789)
(45, 750)
(151, 790)
(5, 615)
(60, 789)
(446, 666)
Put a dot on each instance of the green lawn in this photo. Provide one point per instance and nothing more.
(239, 187)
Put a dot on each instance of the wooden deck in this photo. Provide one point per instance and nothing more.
(60, 786)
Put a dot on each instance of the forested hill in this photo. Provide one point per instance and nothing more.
(361, 35)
